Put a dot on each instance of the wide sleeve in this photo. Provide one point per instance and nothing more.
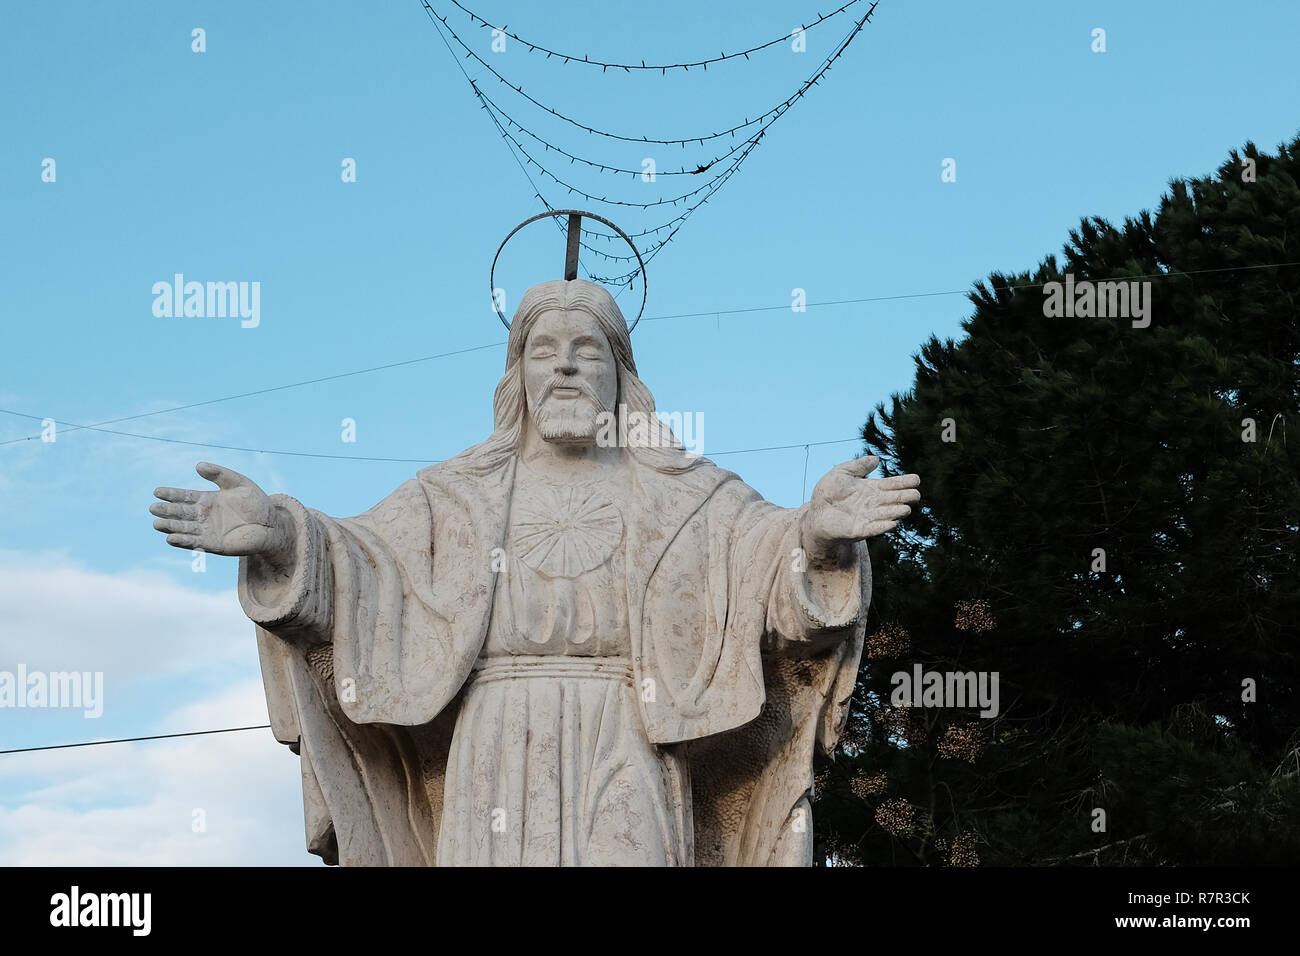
(810, 605)
(752, 786)
(293, 602)
(398, 602)
(365, 638)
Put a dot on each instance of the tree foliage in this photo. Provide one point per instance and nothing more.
(1104, 535)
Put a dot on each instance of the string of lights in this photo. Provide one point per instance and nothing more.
(465, 73)
(504, 122)
(649, 231)
(708, 189)
(701, 139)
(595, 234)
(658, 247)
(523, 167)
(663, 68)
(603, 167)
(637, 172)
(510, 146)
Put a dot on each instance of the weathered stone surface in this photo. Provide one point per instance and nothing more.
(556, 649)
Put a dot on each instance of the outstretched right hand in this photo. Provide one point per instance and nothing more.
(238, 519)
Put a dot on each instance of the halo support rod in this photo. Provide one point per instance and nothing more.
(571, 251)
(575, 217)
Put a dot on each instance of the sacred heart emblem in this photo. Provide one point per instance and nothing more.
(565, 532)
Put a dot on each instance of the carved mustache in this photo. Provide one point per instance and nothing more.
(565, 381)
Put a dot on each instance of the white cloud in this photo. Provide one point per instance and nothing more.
(134, 804)
(58, 614)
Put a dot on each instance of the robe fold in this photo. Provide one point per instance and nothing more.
(743, 658)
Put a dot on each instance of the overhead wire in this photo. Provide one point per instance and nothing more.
(1172, 274)
(71, 426)
(130, 740)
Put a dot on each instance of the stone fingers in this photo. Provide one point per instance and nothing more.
(859, 467)
(874, 528)
(898, 482)
(179, 495)
(224, 478)
(876, 517)
(873, 497)
(902, 497)
(168, 509)
(890, 512)
(177, 526)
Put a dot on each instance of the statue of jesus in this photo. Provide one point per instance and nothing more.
(554, 649)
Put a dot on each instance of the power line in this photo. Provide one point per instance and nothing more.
(661, 67)
(260, 391)
(129, 740)
(653, 318)
(997, 288)
(71, 426)
(227, 730)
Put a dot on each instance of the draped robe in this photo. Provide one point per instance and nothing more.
(743, 655)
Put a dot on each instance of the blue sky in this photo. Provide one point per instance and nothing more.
(225, 166)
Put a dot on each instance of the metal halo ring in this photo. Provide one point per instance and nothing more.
(551, 213)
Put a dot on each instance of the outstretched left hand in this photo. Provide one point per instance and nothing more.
(848, 506)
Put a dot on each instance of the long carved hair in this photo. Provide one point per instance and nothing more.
(663, 451)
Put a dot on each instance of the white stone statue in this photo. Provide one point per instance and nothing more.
(551, 650)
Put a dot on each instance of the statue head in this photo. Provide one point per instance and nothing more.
(569, 367)
(564, 339)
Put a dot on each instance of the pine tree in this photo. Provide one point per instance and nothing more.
(1110, 521)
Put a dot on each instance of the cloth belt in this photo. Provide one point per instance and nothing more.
(557, 665)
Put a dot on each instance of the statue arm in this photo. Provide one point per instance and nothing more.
(291, 597)
(816, 600)
(332, 566)
(829, 580)
(810, 600)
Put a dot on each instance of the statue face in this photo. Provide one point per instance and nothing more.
(570, 376)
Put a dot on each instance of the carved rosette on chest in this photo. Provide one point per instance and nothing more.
(565, 591)
(564, 532)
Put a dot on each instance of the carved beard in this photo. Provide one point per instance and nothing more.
(568, 420)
